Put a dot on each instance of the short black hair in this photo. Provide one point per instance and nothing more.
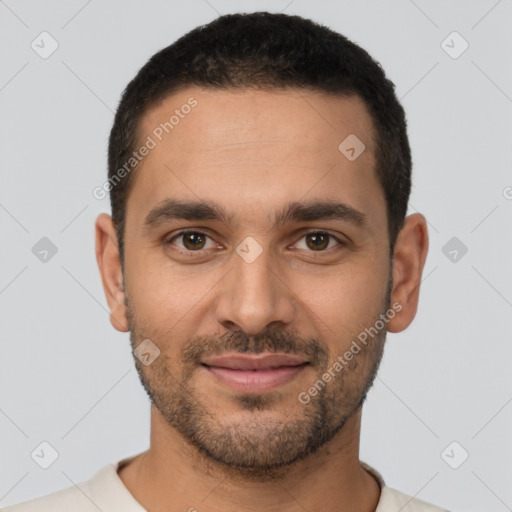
(266, 51)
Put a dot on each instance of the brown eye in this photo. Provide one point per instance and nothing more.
(319, 241)
(191, 241)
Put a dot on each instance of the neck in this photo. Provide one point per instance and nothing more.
(173, 476)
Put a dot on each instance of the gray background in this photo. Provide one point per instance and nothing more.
(67, 377)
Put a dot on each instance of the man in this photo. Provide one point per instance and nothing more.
(258, 252)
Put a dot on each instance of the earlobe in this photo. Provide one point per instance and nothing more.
(408, 261)
(109, 264)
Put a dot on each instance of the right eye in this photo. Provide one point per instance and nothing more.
(192, 241)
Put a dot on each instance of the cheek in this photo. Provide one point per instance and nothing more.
(158, 290)
(168, 306)
(347, 296)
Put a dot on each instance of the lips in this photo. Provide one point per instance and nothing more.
(254, 362)
(254, 372)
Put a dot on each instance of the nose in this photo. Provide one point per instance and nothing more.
(253, 296)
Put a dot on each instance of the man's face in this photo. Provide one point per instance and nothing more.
(306, 286)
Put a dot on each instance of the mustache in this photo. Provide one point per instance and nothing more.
(200, 347)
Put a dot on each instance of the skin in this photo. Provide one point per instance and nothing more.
(253, 152)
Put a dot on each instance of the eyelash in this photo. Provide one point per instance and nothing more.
(169, 241)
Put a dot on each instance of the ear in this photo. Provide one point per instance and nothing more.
(408, 261)
(109, 263)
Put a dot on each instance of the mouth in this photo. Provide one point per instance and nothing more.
(254, 373)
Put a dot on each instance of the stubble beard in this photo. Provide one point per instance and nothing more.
(257, 448)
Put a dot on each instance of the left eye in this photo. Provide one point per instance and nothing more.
(316, 241)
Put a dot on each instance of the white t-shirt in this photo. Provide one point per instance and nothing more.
(106, 492)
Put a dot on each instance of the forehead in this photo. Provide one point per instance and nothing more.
(253, 146)
(301, 117)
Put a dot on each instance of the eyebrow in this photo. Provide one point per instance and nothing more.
(175, 209)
